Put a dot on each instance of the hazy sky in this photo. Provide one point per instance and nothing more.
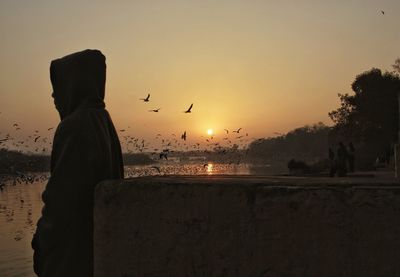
(265, 66)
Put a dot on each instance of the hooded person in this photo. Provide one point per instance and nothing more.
(86, 150)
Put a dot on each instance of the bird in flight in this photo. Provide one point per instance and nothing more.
(155, 110)
(183, 136)
(50, 128)
(383, 12)
(146, 99)
(237, 131)
(37, 138)
(227, 131)
(190, 109)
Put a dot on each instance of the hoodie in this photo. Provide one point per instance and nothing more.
(86, 150)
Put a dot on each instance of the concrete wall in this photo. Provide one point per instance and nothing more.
(247, 226)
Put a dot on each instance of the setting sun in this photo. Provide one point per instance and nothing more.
(210, 132)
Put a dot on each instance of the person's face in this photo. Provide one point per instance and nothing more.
(55, 103)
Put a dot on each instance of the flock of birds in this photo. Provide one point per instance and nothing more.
(161, 147)
(147, 99)
(179, 143)
(38, 142)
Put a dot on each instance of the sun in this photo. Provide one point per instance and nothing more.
(210, 132)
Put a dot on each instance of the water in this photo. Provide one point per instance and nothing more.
(21, 204)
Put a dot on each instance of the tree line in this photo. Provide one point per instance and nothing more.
(368, 117)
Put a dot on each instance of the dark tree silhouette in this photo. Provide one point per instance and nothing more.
(307, 143)
(370, 117)
(396, 66)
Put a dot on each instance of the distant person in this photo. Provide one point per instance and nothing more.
(86, 150)
(342, 156)
(332, 163)
(351, 156)
(388, 152)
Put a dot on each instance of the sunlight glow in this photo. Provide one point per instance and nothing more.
(210, 132)
(209, 168)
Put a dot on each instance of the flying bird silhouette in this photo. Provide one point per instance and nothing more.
(155, 110)
(183, 136)
(383, 12)
(50, 128)
(237, 131)
(190, 109)
(146, 99)
(37, 138)
(227, 131)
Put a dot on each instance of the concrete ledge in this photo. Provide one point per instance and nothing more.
(247, 226)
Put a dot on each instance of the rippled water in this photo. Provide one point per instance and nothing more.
(21, 204)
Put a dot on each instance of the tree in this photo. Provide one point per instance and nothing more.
(371, 115)
(308, 143)
(396, 66)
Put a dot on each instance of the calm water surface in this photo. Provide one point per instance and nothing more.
(21, 204)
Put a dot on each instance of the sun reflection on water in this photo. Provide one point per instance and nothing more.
(210, 168)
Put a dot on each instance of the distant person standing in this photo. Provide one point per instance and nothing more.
(342, 156)
(351, 157)
(86, 150)
(388, 152)
(332, 165)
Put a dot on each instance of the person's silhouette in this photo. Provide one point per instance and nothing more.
(351, 157)
(86, 150)
(332, 163)
(342, 156)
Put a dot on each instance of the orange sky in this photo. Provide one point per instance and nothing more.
(265, 66)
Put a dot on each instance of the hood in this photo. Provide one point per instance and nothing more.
(78, 81)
